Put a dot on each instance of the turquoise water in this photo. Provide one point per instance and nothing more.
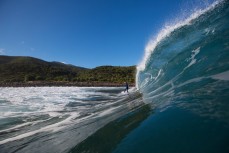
(181, 103)
(184, 79)
(176, 130)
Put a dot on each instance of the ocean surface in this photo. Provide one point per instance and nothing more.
(56, 119)
(180, 102)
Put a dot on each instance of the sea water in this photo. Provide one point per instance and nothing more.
(55, 119)
(184, 77)
(180, 104)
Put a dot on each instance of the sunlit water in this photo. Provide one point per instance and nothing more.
(55, 119)
(181, 103)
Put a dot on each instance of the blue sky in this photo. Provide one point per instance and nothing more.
(86, 33)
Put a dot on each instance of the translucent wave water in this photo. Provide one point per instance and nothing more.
(181, 104)
(184, 76)
(189, 57)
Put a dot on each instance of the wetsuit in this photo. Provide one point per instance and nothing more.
(127, 86)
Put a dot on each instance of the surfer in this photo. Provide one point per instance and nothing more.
(127, 87)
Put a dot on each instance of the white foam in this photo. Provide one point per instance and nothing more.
(43, 99)
(221, 76)
(193, 60)
(35, 101)
(159, 73)
(53, 127)
(106, 112)
(22, 125)
(165, 32)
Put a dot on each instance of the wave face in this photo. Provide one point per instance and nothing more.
(184, 77)
(190, 62)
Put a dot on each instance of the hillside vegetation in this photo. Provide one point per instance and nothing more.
(113, 74)
(27, 69)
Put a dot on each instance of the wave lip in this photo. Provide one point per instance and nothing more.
(187, 66)
(166, 32)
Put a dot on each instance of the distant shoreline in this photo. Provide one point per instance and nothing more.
(62, 84)
(23, 71)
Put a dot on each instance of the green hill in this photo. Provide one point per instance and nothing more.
(113, 74)
(27, 69)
